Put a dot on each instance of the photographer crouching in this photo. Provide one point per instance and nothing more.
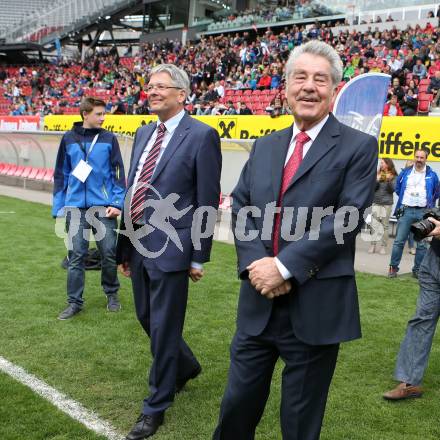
(412, 359)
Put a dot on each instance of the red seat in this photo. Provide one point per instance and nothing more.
(425, 96)
(423, 88)
(48, 176)
(424, 82)
(33, 173)
(26, 172)
(18, 171)
(11, 170)
(40, 174)
(247, 92)
(423, 107)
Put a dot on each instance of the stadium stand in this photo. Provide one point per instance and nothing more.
(17, 12)
(222, 69)
(43, 20)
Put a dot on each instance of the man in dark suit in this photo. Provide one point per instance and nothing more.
(298, 297)
(174, 179)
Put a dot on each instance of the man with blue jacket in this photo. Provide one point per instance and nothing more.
(89, 189)
(417, 188)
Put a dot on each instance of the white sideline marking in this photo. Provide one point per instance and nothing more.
(70, 407)
(7, 212)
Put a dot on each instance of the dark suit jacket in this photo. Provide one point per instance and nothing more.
(338, 170)
(190, 167)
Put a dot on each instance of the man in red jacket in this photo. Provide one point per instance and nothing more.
(392, 107)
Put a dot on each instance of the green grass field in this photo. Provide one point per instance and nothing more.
(102, 359)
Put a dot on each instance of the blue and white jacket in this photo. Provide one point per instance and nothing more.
(431, 185)
(105, 185)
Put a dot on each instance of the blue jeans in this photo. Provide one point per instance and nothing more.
(78, 228)
(416, 346)
(410, 216)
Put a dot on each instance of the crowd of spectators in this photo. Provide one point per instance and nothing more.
(222, 67)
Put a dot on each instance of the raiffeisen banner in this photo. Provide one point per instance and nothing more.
(399, 135)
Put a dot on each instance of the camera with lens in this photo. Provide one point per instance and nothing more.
(424, 227)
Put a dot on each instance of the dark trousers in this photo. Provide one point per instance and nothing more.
(160, 301)
(306, 379)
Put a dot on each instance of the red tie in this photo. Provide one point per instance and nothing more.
(137, 202)
(289, 171)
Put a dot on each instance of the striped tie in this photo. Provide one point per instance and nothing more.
(137, 202)
(289, 171)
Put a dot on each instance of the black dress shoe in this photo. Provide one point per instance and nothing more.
(180, 383)
(146, 426)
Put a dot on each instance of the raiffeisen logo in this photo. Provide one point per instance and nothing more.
(391, 143)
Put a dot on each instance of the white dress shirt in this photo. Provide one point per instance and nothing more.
(313, 134)
(170, 126)
(415, 191)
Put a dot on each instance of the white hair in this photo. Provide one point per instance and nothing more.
(179, 77)
(321, 49)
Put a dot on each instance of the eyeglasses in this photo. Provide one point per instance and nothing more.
(160, 87)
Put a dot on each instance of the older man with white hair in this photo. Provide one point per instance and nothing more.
(298, 297)
(175, 162)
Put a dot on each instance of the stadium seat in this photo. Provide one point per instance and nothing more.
(7, 168)
(11, 170)
(18, 171)
(26, 172)
(48, 176)
(423, 107)
(423, 88)
(425, 96)
(41, 172)
(33, 173)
